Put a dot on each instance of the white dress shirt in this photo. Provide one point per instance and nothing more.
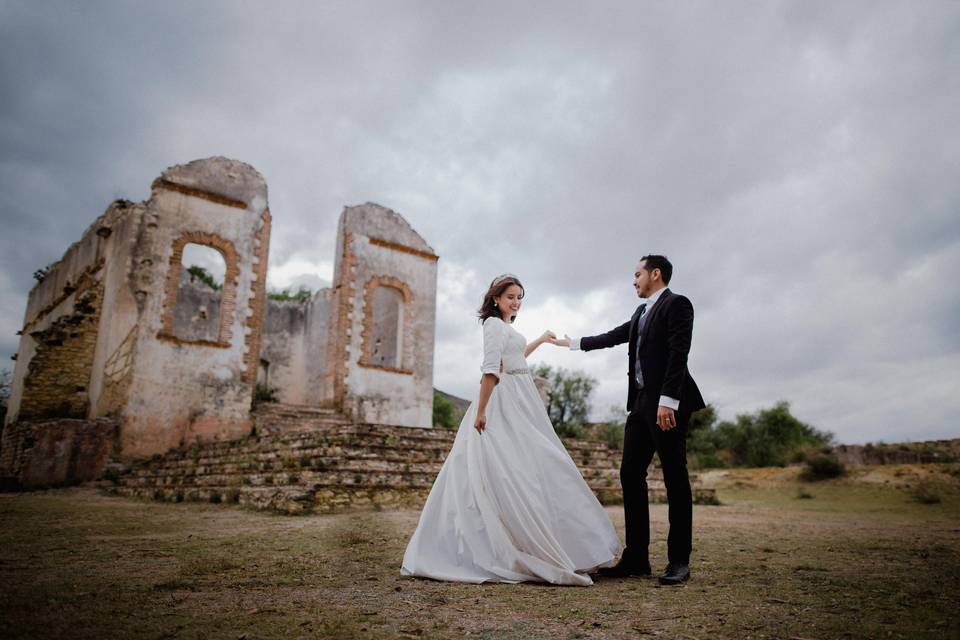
(665, 401)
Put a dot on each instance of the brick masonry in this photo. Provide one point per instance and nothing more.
(55, 452)
(228, 298)
(58, 375)
(406, 354)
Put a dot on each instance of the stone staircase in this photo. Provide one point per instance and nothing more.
(311, 460)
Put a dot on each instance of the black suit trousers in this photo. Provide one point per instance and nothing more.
(642, 437)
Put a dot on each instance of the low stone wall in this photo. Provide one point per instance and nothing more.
(35, 455)
(932, 451)
(329, 466)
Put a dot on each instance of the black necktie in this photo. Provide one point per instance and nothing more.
(641, 323)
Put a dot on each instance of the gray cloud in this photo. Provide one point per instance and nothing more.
(797, 161)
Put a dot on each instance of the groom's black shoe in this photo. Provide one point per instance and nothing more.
(626, 569)
(675, 573)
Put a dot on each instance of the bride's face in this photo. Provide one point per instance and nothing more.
(509, 302)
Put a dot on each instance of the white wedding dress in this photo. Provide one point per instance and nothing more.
(509, 505)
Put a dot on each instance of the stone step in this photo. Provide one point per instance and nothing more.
(311, 459)
(297, 409)
(327, 457)
(361, 467)
(297, 499)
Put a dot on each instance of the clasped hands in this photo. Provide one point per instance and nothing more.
(551, 337)
(666, 417)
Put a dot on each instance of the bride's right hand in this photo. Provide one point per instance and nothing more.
(480, 423)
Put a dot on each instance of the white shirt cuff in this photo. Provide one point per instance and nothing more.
(670, 403)
(574, 344)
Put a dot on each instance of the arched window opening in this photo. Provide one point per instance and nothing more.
(386, 327)
(199, 294)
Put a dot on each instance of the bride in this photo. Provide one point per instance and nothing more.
(509, 505)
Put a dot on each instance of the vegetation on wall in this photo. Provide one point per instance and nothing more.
(303, 294)
(203, 276)
(6, 382)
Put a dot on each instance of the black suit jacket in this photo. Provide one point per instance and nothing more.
(663, 351)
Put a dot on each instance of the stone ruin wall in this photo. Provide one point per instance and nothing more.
(365, 345)
(100, 334)
(188, 388)
(377, 248)
(294, 350)
(117, 331)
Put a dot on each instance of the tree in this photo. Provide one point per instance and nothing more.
(568, 399)
(444, 413)
(769, 437)
(705, 445)
(6, 382)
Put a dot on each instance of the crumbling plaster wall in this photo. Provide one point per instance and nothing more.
(182, 390)
(377, 247)
(294, 346)
(284, 349)
(74, 295)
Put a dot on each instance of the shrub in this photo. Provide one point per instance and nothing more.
(444, 412)
(203, 276)
(925, 494)
(263, 393)
(612, 432)
(769, 437)
(822, 468)
(302, 294)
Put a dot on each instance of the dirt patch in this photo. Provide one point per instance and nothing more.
(857, 559)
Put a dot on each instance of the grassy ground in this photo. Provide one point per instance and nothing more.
(861, 557)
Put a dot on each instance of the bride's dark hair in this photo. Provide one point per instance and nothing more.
(500, 284)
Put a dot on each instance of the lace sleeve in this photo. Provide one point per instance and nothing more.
(493, 339)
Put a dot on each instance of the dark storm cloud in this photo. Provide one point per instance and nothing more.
(797, 161)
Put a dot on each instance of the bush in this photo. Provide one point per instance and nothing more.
(303, 294)
(570, 430)
(612, 432)
(203, 276)
(444, 412)
(263, 393)
(822, 468)
(925, 494)
(769, 437)
(6, 384)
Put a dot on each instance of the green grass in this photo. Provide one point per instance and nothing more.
(859, 560)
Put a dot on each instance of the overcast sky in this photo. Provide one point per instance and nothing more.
(798, 162)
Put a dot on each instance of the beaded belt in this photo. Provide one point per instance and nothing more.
(517, 372)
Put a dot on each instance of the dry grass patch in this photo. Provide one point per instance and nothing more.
(862, 558)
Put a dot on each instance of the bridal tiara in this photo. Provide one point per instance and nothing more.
(503, 277)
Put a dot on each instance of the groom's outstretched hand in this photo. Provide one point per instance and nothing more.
(666, 418)
(561, 342)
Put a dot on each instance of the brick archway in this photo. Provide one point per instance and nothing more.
(228, 298)
(406, 326)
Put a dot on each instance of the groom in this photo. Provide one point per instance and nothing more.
(661, 397)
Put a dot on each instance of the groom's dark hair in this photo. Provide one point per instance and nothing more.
(652, 262)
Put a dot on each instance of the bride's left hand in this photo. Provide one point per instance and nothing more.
(548, 336)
